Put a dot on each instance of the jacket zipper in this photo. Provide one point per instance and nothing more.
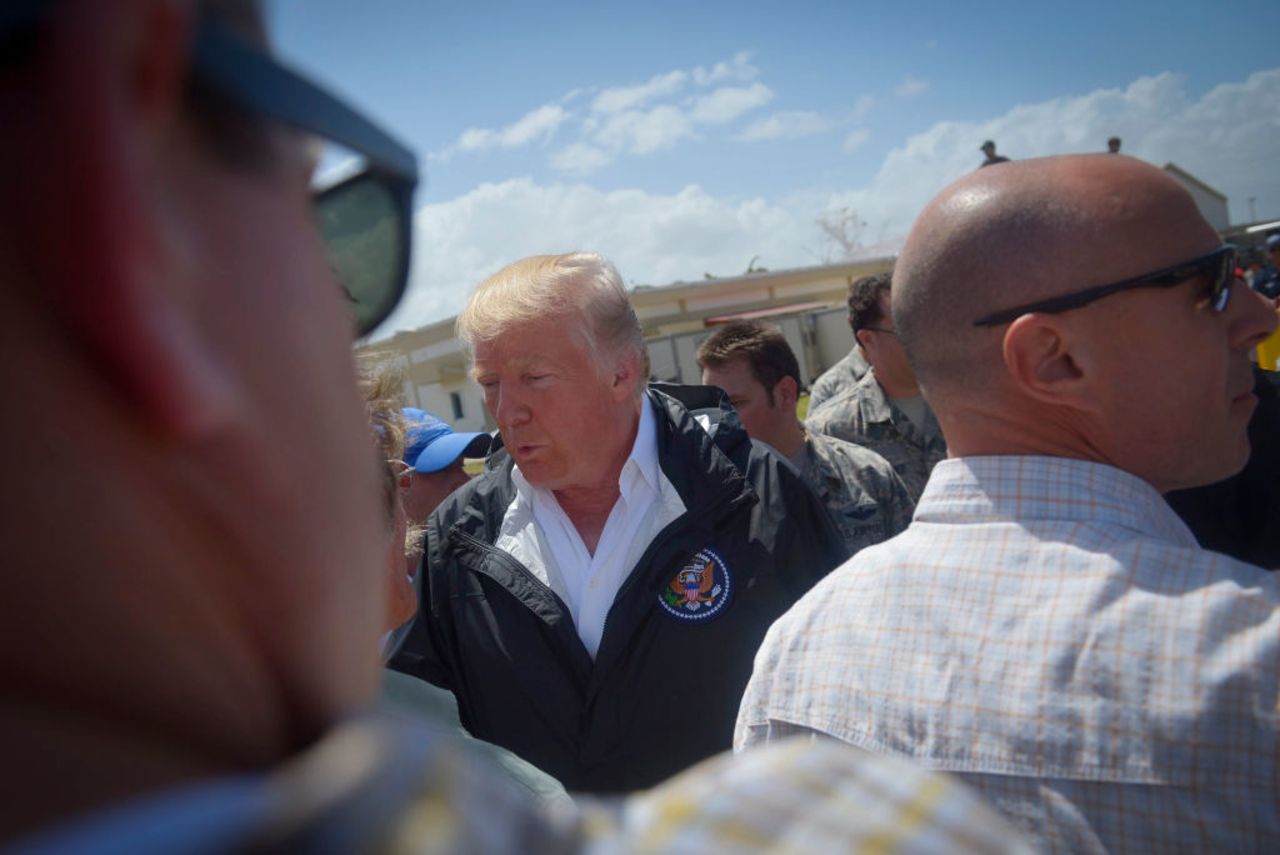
(661, 539)
(512, 564)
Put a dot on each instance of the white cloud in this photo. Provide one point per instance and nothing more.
(856, 140)
(863, 106)
(617, 125)
(645, 132)
(729, 102)
(538, 125)
(738, 69)
(785, 125)
(634, 119)
(653, 238)
(621, 98)
(1226, 137)
(910, 87)
(580, 159)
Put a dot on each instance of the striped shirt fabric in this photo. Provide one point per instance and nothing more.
(1049, 630)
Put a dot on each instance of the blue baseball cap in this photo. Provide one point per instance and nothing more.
(431, 445)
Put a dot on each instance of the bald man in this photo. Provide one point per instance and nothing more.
(1047, 628)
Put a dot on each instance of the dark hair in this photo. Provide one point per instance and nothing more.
(864, 299)
(764, 347)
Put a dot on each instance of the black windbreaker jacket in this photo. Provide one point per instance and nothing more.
(679, 640)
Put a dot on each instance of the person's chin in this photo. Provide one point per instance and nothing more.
(538, 470)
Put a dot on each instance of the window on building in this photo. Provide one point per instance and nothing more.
(455, 400)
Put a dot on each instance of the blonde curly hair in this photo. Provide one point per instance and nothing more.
(381, 384)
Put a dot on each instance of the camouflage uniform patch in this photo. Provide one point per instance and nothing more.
(865, 497)
(837, 379)
(864, 415)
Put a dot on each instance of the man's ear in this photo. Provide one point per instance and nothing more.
(111, 84)
(785, 392)
(1047, 360)
(863, 338)
(625, 376)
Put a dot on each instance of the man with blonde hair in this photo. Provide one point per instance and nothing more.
(1047, 627)
(594, 599)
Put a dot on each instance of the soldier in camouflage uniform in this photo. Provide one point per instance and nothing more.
(848, 477)
(845, 374)
(755, 366)
(884, 411)
(839, 378)
(865, 415)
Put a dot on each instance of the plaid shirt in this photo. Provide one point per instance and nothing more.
(381, 787)
(801, 797)
(1048, 629)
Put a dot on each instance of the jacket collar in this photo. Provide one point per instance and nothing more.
(711, 442)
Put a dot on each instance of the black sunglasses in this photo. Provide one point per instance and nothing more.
(365, 220)
(1219, 266)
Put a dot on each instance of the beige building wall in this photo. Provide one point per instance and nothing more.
(1212, 204)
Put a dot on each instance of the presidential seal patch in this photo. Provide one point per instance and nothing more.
(701, 589)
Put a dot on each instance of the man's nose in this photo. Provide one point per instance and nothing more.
(509, 408)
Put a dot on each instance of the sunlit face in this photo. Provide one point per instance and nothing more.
(764, 420)
(1176, 376)
(562, 417)
(428, 489)
(884, 350)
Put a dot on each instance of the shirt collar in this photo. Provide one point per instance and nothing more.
(1029, 487)
(872, 399)
(642, 463)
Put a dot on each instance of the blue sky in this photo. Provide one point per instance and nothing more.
(686, 138)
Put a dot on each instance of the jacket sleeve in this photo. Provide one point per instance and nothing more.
(422, 650)
(807, 543)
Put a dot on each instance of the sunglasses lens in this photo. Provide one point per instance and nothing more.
(365, 229)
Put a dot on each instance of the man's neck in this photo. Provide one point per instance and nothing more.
(896, 388)
(588, 506)
(790, 439)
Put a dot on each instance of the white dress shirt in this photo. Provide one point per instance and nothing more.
(539, 534)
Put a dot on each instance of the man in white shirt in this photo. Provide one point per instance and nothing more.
(594, 600)
(1047, 627)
